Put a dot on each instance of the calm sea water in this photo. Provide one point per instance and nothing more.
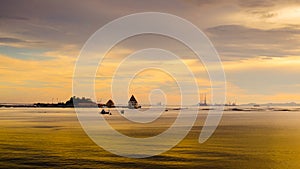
(254, 138)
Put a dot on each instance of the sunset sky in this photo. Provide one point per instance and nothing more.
(258, 42)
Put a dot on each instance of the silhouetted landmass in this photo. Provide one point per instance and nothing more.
(77, 102)
(16, 105)
(110, 104)
(132, 103)
(73, 101)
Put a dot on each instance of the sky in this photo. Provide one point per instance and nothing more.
(257, 40)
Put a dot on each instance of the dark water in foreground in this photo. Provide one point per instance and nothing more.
(53, 138)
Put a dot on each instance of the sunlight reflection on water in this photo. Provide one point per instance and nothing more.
(38, 137)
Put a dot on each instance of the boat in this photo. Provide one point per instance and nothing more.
(105, 112)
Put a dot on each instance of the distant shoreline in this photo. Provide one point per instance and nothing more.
(59, 105)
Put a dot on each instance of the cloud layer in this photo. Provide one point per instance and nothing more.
(258, 41)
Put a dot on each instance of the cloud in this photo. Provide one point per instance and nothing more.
(41, 40)
(202, 3)
(19, 43)
(10, 40)
(238, 42)
(266, 4)
(13, 18)
(258, 3)
(260, 76)
(32, 80)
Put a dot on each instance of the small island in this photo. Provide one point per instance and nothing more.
(73, 101)
(79, 102)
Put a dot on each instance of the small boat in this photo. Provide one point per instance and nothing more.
(105, 112)
(236, 109)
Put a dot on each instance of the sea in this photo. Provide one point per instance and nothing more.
(246, 138)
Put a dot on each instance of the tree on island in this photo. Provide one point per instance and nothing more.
(75, 100)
